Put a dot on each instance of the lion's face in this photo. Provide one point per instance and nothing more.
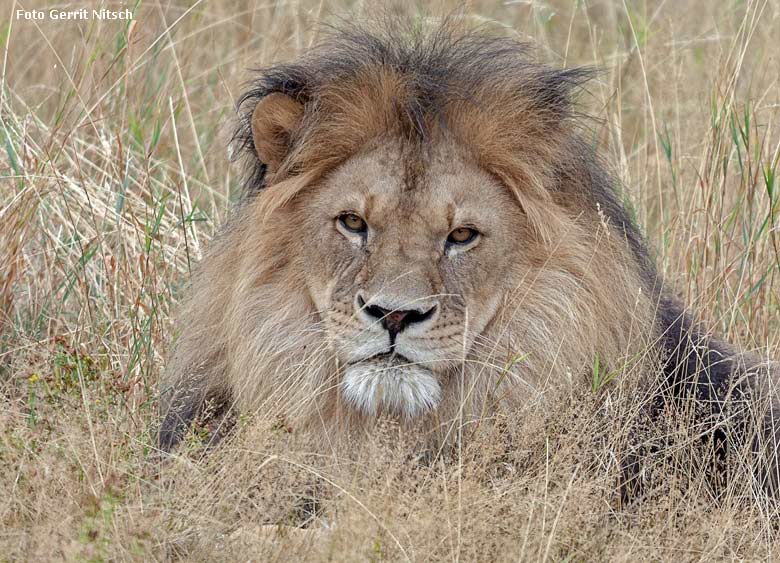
(414, 249)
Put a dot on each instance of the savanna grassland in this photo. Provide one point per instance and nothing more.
(114, 176)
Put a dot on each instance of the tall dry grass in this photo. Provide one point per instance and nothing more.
(114, 175)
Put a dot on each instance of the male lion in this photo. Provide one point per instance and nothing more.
(427, 237)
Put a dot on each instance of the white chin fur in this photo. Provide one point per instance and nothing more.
(407, 391)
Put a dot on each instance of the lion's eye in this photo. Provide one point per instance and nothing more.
(462, 235)
(353, 223)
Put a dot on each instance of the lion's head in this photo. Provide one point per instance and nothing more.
(425, 237)
(411, 258)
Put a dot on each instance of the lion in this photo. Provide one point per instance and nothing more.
(427, 237)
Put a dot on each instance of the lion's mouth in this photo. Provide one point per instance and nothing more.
(390, 357)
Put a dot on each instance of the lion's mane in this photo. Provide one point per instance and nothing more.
(249, 335)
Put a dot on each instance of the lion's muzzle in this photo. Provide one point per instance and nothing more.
(381, 378)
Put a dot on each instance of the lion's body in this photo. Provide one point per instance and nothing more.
(417, 136)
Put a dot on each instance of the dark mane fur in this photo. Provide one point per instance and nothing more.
(442, 65)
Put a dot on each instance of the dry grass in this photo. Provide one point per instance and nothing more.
(113, 177)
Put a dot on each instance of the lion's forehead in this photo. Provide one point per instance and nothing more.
(442, 189)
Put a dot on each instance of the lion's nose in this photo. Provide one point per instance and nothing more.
(395, 320)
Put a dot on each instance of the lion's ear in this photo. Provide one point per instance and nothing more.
(274, 119)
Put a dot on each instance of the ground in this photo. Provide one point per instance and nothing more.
(114, 175)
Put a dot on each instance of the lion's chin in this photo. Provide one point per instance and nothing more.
(375, 388)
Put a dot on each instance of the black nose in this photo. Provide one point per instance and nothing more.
(394, 321)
